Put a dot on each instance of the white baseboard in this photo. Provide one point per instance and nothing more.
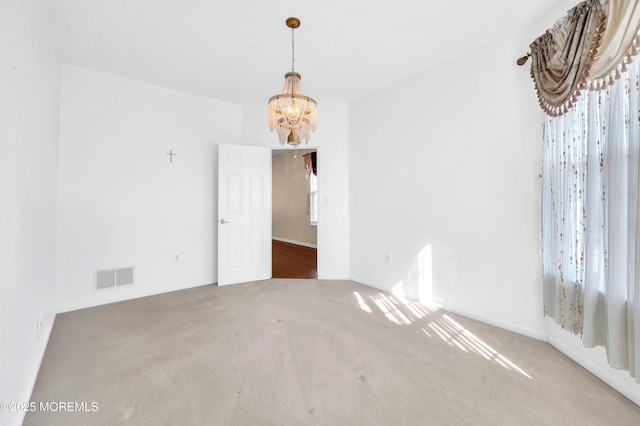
(298, 243)
(534, 334)
(94, 303)
(619, 380)
(332, 277)
(45, 335)
(538, 335)
(367, 283)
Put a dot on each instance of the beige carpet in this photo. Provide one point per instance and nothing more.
(296, 352)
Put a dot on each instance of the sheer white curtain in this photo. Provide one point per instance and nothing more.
(591, 229)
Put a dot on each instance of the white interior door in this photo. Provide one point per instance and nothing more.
(244, 214)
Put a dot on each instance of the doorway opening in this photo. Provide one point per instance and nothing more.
(294, 213)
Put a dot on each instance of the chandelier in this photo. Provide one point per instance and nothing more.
(291, 114)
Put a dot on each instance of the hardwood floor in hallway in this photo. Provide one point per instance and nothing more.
(294, 261)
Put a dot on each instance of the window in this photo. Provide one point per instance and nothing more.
(590, 188)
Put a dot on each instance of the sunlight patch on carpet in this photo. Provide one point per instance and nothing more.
(361, 303)
(455, 333)
(437, 324)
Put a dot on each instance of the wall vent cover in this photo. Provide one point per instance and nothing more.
(124, 276)
(107, 278)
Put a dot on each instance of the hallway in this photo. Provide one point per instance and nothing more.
(293, 261)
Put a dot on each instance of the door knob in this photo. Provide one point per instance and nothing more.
(222, 221)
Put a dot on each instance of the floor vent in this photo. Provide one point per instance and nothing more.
(108, 278)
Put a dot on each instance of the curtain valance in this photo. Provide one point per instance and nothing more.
(310, 164)
(586, 49)
(564, 54)
(619, 44)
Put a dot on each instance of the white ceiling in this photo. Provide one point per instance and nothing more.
(238, 50)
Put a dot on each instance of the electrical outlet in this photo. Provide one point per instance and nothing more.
(39, 327)
(177, 257)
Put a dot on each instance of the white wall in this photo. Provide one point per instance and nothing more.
(443, 173)
(331, 141)
(121, 202)
(29, 108)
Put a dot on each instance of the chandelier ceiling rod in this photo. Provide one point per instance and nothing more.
(293, 43)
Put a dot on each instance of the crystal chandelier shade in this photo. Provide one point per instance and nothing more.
(292, 114)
